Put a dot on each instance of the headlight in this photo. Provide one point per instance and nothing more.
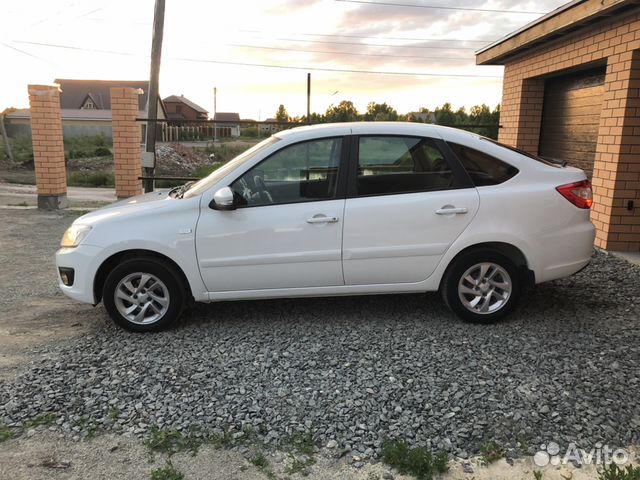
(74, 235)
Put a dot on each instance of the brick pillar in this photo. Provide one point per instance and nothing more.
(48, 149)
(616, 171)
(521, 113)
(126, 141)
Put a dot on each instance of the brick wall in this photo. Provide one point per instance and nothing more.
(616, 175)
(126, 141)
(48, 148)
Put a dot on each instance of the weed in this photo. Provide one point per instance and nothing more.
(614, 472)
(260, 461)
(299, 465)
(114, 413)
(537, 475)
(172, 441)
(417, 461)
(491, 451)
(87, 426)
(221, 440)
(302, 442)
(169, 472)
(5, 433)
(44, 419)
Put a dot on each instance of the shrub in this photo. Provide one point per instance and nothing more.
(102, 152)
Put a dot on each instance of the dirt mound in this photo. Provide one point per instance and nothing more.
(177, 159)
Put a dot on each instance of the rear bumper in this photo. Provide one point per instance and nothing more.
(566, 252)
(82, 260)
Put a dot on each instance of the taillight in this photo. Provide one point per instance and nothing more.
(578, 193)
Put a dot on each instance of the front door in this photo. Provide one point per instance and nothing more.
(407, 203)
(287, 229)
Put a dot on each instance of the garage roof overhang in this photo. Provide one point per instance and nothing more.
(568, 18)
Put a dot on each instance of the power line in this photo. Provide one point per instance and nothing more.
(438, 7)
(23, 52)
(434, 47)
(345, 53)
(375, 38)
(264, 65)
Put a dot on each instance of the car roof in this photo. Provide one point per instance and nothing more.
(372, 128)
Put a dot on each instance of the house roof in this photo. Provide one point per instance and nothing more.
(226, 117)
(74, 92)
(561, 21)
(186, 101)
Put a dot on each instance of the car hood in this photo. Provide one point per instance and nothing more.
(132, 206)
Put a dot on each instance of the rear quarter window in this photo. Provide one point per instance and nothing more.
(483, 169)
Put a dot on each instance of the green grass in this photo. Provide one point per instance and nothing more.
(91, 179)
(169, 472)
(21, 147)
(418, 461)
(171, 441)
(537, 475)
(5, 433)
(491, 452)
(614, 472)
(44, 419)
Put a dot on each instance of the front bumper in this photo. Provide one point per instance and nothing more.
(82, 259)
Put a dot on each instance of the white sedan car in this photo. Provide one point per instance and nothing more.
(338, 209)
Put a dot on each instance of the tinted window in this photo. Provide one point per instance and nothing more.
(400, 165)
(482, 168)
(298, 173)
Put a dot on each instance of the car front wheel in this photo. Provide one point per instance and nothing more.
(143, 295)
(482, 287)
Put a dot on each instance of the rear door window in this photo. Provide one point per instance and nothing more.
(394, 164)
(483, 169)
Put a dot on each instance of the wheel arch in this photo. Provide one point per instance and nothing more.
(513, 253)
(111, 262)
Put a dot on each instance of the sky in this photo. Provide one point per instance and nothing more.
(257, 53)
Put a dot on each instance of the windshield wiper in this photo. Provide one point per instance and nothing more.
(178, 191)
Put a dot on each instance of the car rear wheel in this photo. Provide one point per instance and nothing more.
(143, 295)
(482, 286)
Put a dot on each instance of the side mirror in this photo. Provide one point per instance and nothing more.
(223, 200)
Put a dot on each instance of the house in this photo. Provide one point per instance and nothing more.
(85, 107)
(178, 107)
(570, 91)
(421, 117)
(227, 124)
(270, 125)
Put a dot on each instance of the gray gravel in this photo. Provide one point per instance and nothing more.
(357, 370)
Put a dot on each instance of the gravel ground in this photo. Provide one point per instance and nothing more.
(354, 370)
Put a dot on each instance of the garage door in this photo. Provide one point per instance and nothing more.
(571, 116)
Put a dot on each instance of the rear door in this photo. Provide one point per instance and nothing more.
(408, 200)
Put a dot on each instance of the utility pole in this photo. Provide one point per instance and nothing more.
(309, 98)
(154, 80)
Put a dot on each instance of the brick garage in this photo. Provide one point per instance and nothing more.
(584, 59)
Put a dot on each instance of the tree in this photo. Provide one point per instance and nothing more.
(380, 112)
(281, 115)
(344, 112)
(445, 115)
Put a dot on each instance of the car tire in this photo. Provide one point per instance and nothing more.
(482, 286)
(143, 294)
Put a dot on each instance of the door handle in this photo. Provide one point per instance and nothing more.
(450, 210)
(322, 219)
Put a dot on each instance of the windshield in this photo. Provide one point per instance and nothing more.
(215, 176)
